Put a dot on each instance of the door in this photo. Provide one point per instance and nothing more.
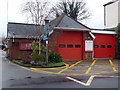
(69, 45)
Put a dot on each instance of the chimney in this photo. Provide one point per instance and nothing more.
(46, 21)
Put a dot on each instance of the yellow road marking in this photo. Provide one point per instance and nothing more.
(67, 66)
(112, 65)
(20, 66)
(90, 67)
(43, 71)
(75, 64)
(88, 70)
(93, 63)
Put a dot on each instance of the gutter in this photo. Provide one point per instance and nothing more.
(103, 32)
(71, 29)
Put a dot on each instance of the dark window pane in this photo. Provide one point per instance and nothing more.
(109, 46)
(62, 46)
(102, 46)
(77, 46)
(96, 46)
(70, 46)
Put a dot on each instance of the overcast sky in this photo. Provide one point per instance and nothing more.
(15, 15)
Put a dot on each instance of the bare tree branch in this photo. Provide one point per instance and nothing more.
(73, 8)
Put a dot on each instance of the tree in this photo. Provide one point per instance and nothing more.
(73, 8)
(117, 43)
(37, 11)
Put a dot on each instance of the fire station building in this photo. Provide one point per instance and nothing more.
(75, 41)
(71, 39)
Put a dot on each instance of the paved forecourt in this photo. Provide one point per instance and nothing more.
(83, 67)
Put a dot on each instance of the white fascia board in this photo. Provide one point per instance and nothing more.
(77, 29)
(51, 32)
(103, 32)
(92, 35)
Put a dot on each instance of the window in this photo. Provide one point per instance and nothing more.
(102, 46)
(61, 45)
(70, 46)
(109, 46)
(77, 46)
(96, 46)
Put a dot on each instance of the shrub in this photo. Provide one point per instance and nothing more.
(38, 58)
(27, 59)
(54, 58)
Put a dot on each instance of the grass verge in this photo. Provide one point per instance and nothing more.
(48, 65)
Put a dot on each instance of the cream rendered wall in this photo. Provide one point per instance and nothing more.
(111, 15)
(119, 11)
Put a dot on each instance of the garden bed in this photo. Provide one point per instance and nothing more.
(49, 65)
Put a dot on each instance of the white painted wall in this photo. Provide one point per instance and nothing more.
(111, 15)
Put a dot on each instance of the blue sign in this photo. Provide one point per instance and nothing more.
(45, 38)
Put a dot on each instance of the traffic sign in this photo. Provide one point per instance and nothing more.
(45, 38)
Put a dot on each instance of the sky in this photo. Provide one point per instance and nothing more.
(14, 14)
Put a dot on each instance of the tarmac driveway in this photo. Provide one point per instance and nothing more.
(83, 67)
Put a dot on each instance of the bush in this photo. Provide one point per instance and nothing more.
(38, 58)
(54, 58)
(117, 42)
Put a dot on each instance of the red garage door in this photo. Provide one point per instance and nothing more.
(104, 46)
(69, 45)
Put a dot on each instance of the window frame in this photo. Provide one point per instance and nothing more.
(102, 47)
(69, 45)
(62, 47)
(77, 45)
(109, 45)
(96, 45)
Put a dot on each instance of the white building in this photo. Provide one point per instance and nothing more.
(111, 14)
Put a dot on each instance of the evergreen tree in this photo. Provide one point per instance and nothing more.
(117, 43)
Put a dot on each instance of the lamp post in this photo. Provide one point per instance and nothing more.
(45, 38)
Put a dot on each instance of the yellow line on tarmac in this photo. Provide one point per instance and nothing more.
(90, 67)
(112, 65)
(88, 70)
(75, 64)
(67, 66)
(20, 66)
(43, 71)
(93, 63)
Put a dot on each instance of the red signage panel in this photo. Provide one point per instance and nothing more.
(25, 45)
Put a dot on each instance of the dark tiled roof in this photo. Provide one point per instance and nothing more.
(65, 21)
(22, 30)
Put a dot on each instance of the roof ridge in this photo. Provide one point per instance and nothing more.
(62, 15)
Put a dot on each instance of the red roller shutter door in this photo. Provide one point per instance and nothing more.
(104, 46)
(69, 45)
